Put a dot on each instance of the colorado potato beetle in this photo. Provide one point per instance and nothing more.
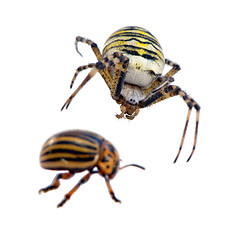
(77, 151)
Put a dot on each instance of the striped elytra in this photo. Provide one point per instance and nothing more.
(132, 65)
(73, 150)
(76, 151)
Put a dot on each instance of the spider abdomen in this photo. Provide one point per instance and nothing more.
(143, 50)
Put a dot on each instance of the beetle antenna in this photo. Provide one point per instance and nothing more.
(132, 165)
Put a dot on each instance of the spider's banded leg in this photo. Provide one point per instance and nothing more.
(78, 70)
(160, 81)
(88, 77)
(75, 188)
(190, 103)
(56, 183)
(174, 70)
(112, 194)
(171, 91)
(163, 81)
(93, 45)
(121, 64)
(104, 73)
(100, 66)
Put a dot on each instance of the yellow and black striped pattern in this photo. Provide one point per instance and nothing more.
(135, 41)
(74, 150)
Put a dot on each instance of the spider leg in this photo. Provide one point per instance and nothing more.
(79, 69)
(119, 62)
(93, 45)
(104, 72)
(171, 91)
(174, 70)
(88, 77)
(161, 81)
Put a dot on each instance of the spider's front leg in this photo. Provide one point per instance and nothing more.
(115, 60)
(120, 63)
(104, 73)
(93, 45)
(78, 70)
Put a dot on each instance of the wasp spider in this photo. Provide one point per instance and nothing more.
(132, 64)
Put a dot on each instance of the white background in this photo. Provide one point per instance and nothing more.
(196, 200)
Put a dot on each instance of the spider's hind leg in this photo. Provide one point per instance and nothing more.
(171, 91)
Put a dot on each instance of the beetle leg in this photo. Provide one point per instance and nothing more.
(75, 188)
(112, 194)
(56, 183)
(171, 91)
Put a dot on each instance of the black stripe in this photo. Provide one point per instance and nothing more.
(111, 148)
(89, 136)
(69, 159)
(138, 40)
(64, 150)
(120, 84)
(132, 28)
(71, 143)
(126, 48)
(135, 53)
(94, 138)
(80, 136)
(130, 34)
(74, 170)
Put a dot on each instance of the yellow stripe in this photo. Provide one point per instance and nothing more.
(69, 147)
(68, 165)
(137, 39)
